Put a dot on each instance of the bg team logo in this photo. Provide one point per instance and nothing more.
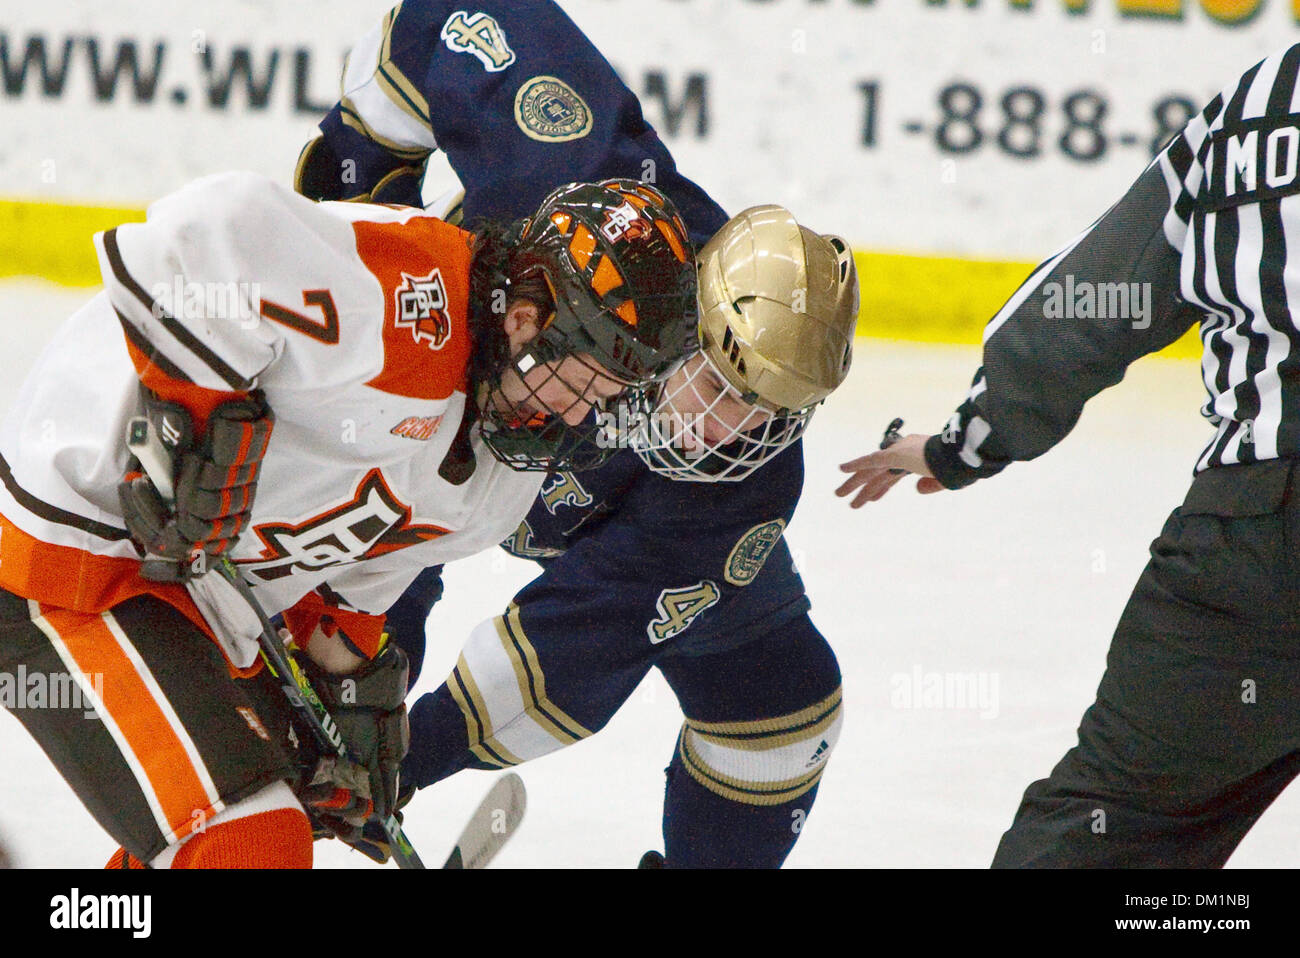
(375, 522)
(624, 222)
(422, 308)
(561, 489)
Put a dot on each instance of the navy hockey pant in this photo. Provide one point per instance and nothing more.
(761, 721)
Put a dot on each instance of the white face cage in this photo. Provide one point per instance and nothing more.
(696, 427)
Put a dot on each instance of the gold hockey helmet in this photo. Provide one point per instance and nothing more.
(778, 306)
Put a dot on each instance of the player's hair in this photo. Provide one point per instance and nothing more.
(495, 283)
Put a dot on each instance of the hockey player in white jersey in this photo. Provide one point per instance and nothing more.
(346, 394)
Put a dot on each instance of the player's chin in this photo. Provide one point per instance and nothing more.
(525, 410)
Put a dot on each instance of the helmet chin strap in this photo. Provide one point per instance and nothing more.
(526, 361)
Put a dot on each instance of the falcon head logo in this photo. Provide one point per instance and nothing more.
(422, 308)
(624, 222)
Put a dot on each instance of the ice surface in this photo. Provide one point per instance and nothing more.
(1021, 578)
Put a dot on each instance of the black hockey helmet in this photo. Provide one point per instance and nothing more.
(620, 267)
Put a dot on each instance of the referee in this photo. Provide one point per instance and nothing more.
(1196, 725)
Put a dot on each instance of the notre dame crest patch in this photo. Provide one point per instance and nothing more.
(548, 109)
(747, 558)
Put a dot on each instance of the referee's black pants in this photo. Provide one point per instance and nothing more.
(1196, 727)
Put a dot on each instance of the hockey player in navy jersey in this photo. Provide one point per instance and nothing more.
(515, 96)
(642, 567)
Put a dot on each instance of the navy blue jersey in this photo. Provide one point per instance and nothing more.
(633, 558)
(698, 566)
(522, 102)
(514, 94)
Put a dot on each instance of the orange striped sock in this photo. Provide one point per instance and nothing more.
(123, 859)
(279, 838)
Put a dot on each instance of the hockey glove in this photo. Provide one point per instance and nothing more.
(372, 841)
(214, 480)
(366, 705)
(322, 175)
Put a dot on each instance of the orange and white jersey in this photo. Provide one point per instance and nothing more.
(352, 320)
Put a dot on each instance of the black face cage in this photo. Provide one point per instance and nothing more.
(546, 443)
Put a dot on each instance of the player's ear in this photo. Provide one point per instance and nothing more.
(521, 323)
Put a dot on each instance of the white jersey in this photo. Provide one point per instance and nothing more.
(351, 319)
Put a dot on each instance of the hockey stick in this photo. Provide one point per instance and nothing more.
(143, 442)
(493, 823)
(308, 706)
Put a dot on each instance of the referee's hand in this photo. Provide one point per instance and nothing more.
(875, 473)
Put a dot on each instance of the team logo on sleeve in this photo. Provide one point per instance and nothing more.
(422, 308)
(374, 523)
(480, 35)
(747, 558)
(547, 109)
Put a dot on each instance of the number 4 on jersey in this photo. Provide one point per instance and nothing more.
(678, 609)
(479, 34)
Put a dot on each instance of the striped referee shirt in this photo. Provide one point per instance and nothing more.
(1206, 235)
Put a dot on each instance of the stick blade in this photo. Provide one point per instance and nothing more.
(493, 824)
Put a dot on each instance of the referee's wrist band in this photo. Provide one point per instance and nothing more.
(945, 462)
